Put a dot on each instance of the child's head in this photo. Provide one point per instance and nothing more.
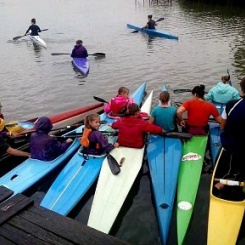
(133, 109)
(123, 91)
(92, 121)
(164, 97)
(225, 78)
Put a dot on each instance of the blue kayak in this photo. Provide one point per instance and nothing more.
(31, 170)
(164, 157)
(153, 32)
(82, 65)
(79, 173)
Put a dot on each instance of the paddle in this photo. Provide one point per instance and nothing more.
(95, 54)
(80, 135)
(160, 19)
(178, 135)
(100, 99)
(113, 164)
(230, 182)
(18, 37)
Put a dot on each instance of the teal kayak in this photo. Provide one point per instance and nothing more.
(164, 157)
(79, 173)
(188, 182)
(152, 32)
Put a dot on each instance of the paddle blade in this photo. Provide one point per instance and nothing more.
(98, 54)
(17, 37)
(160, 19)
(182, 90)
(178, 135)
(100, 99)
(113, 164)
(135, 31)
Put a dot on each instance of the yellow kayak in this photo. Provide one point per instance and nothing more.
(225, 216)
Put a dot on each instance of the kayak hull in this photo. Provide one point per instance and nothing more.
(82, 65)
(188, 182)
(225, 216)
(152, 32)
(112, 190)
(37, 40)
(79, 173)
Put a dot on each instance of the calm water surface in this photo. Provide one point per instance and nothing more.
(35, 83)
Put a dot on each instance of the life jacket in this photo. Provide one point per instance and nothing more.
(119, 105)
(85, 142)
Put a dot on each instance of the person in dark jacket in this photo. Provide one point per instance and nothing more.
(151, 24)
(43, 146)
(33, 28)
(79, 51)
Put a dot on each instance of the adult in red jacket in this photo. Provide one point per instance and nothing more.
(132, 128)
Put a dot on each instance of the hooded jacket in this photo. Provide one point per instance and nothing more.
(222, 93)
(43, 146)
(79, 51)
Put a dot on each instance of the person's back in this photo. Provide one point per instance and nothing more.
(164, 115)
(79, 51)
(132, 128)
(223, 92)
(33, 28)
(43, 146)
(151, 24)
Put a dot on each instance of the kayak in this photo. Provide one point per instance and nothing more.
(31, 170)
(59, 120)
(82, 65)
(214, 135)
(80, 172)
(37, 40)
(164, 157)
(112, 190)
(225, 216)
(188, 182)
(152, 32)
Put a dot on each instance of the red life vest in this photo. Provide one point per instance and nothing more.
(119, 104)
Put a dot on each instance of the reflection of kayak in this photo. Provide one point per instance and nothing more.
(153, 32)
(37, 40)
(80, 173)
(82, 64)
(188, 182)
(112, 190)
(225, 216)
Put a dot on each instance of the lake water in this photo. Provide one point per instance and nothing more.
(35, 83)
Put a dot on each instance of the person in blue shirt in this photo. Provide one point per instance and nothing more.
(33, 28)
(223, 92)
(79, 51)
(164, 115)
(43, 146)
(151, 24)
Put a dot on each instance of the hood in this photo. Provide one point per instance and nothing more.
(43, 125)
(222, 88)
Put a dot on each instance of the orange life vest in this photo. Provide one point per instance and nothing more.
(85, 142)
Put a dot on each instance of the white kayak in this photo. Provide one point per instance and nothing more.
(112, 190)
(37, 40)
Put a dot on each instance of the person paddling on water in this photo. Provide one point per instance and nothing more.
(43, 146)
(198, 113)
(33, 28)
(223, 92)
(79, 51)
(93, 141)
(118, 104)
(132, 128)
(151, 24)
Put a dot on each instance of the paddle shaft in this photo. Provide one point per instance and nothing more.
(94, 54)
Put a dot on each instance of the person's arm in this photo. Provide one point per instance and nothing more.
(151, 120)
(107, 107)
(39, 30)
(85, 52)
(209, 96)
(28, 30)
(180, 112)
(16, 152)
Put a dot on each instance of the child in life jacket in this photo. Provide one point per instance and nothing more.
(119, 104)
(93, 141)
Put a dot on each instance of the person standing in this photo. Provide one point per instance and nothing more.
(79, 51)
(223, 92)
(151, 24)
(33, 28)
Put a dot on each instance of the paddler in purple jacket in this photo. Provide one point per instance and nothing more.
(79, 51)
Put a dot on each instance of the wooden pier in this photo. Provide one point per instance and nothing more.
(26, 223)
